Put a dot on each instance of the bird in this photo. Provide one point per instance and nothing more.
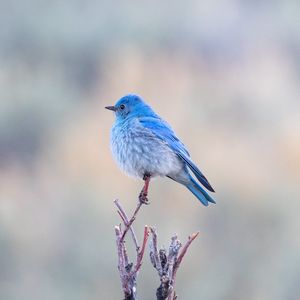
(145, 146)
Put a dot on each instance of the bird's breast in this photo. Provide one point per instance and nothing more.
(138, 151)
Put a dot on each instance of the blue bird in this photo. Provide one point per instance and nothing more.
(145, 146)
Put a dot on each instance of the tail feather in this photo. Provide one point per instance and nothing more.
(196, 171)
(199, 192)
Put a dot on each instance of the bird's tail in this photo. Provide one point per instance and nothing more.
(199, 192)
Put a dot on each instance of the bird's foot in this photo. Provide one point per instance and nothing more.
(144, 192)
(143, 198)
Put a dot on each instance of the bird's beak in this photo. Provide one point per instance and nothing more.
(113, 108)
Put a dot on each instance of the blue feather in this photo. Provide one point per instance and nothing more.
(162, 130)
(197, 172)
(199, 192)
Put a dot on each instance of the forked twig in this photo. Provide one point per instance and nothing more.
(128, 272)
(125, 220)
(167, 264)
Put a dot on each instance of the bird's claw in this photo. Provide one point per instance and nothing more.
(143, 198)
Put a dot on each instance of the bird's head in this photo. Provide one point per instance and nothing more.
(130, 106)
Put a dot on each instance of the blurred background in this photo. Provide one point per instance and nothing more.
(225, 74)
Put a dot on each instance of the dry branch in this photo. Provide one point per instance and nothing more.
(165, 262)
(129, 272)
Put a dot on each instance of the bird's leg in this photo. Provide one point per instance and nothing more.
(144, 192)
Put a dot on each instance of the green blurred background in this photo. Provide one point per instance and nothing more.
(225, 74)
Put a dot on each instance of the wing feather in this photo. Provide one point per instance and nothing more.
(163, 131)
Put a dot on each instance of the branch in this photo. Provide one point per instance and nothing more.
(128, 272)
(167, 264)
(191, 238)
(140, 254)
(124, 218)
(154, 256)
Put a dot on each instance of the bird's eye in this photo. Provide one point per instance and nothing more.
(122, 106)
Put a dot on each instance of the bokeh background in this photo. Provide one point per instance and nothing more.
(225, 74)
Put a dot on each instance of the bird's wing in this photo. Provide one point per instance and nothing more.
(163, 131)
